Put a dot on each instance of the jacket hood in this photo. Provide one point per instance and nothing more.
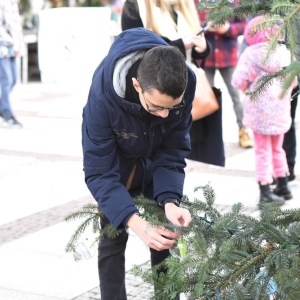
(128, 47)
(278, 58)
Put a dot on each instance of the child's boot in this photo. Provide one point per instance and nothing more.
(282, 188)
(267, 196)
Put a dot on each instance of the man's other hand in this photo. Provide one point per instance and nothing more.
(177, 215)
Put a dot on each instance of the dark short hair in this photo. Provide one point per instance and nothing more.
(163, 68)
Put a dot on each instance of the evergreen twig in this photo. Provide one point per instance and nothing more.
(224, 251)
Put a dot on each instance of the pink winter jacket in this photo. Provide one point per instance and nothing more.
(268, 114)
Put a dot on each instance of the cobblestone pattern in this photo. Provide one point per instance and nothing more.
(135, 287)
(52, 216)
(40, 156)
(40, 220)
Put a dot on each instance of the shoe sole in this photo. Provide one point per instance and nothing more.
(293, 182)
(11, 126)
(246, 147)
(288, 197)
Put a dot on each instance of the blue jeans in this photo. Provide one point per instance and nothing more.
(8, 78)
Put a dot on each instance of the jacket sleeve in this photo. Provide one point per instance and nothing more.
(11, 33)
(201, 55)
(236, 28)
(244, 73)
(169, 159)
(101, 164)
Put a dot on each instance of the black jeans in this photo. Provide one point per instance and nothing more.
(111, 264)
(289, 142)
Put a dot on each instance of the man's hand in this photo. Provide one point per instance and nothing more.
(177, 215)
(157, 238)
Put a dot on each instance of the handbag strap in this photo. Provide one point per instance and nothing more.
(202, 65)
(129, 180)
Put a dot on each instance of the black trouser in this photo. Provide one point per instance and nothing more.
(289, 142)
(111, 264)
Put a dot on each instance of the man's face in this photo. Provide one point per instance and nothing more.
(156, 103)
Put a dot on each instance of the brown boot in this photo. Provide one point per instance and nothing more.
(245, 140)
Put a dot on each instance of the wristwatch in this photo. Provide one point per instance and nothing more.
(169, 200)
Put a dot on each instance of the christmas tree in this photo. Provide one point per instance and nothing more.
(219, 256)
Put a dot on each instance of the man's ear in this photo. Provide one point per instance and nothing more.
(136, 84)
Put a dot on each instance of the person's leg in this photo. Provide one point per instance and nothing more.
(6, 82)
(156, 258)
(263, 167)
(263, 158)
(245, 140)
(280, 167)
(111, 265)
(8, 78)
(14, 71)
(226, 74)
(289, 142)
(210, 74)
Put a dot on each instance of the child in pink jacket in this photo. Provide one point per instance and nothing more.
(269, 115)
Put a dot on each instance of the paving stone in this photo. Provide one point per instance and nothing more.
(42, 143)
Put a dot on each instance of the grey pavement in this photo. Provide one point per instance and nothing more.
(41, 182)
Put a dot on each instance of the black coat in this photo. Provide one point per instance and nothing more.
(206, 134)
(207, 137)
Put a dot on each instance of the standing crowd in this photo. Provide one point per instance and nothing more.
(175, 23)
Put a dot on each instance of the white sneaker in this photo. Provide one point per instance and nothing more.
(11, 122)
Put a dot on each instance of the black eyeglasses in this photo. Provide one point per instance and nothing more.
(159, 108)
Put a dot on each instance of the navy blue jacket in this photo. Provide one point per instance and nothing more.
(116, 135)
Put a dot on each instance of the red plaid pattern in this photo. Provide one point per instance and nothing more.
(224, 47)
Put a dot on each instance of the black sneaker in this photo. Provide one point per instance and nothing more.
(11, 122)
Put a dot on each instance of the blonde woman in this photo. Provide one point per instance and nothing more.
(176, 21)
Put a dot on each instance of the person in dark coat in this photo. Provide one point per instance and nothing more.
(178, 24)
(135, 138)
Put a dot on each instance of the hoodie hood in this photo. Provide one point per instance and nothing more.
(277, 59)
(254, 36)
(121, 69)
(128, 47)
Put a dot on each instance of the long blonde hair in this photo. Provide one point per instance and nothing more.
(186, 7)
